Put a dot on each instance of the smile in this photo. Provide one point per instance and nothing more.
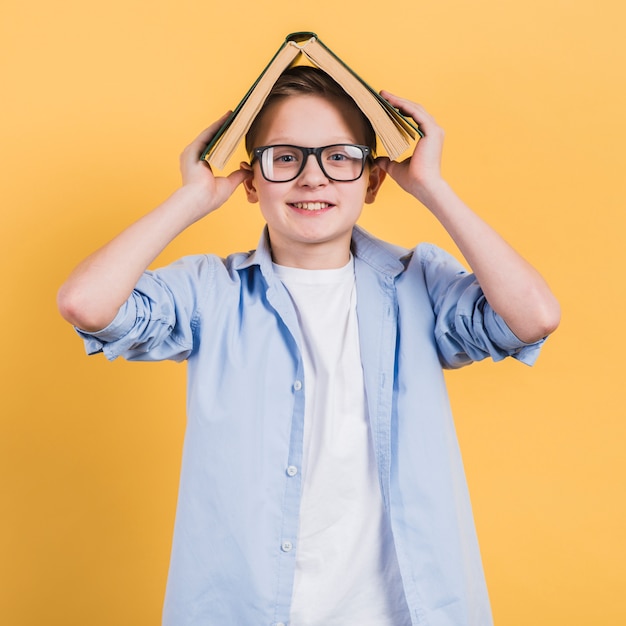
(311, 206)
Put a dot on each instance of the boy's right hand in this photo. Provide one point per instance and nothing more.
(210, 191)
(93, 293)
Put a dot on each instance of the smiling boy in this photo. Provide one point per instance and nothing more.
(321, 479)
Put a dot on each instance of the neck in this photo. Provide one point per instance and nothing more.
(312, 256)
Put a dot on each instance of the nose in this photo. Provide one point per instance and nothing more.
(312, 174)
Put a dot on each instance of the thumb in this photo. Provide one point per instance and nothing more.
(393, 168)
(384, 163)
(237, 177)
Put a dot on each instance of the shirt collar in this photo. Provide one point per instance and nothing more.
(262, 256)
(382, 256)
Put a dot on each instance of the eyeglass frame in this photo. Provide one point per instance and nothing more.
(257, 152)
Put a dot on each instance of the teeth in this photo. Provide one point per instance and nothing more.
(311, 206)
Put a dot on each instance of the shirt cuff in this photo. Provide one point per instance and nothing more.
(97, 341)
(508, 341)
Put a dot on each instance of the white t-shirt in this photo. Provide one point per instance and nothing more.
(346, 567)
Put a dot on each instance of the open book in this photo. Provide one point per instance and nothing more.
(393, 129)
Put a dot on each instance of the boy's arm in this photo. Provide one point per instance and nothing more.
(95, 290)
(514, 289)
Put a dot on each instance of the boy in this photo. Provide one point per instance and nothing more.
(321, 480)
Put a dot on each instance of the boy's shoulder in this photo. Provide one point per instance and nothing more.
(366, 244)
(385, 255)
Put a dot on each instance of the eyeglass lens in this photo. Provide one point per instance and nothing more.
(342, 162)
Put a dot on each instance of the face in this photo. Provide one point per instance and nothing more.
(310, 219)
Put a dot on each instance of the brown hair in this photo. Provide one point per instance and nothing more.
(303, 79)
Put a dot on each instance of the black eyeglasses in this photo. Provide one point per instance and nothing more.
(342, 162)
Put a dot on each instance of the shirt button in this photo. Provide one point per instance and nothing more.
(297, 385)
(286, 546)
(292, 470)
(279, 624)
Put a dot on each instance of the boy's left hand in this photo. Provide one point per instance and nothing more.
(514, 289)
(420, 173)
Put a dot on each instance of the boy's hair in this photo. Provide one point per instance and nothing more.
(303, 80)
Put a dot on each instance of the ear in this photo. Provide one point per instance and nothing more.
(376, 176)
(248, 183)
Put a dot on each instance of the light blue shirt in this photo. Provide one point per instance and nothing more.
(235, 539)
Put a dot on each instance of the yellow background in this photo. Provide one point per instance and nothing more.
(98, 99)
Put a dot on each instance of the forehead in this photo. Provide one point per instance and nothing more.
(309, 120)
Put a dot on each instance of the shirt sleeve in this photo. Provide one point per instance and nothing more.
(467, 329)
(158, 320)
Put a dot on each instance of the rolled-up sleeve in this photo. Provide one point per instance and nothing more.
(467, 329)
(158, 319)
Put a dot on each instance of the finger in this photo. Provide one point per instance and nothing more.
(383, 162)
(198, 145)
(238, 176)
(393, 168)
(208, 132)
(410, 108)
(226, 185)
(402, 103)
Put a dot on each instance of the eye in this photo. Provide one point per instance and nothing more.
(337, 156)
(285, 155)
